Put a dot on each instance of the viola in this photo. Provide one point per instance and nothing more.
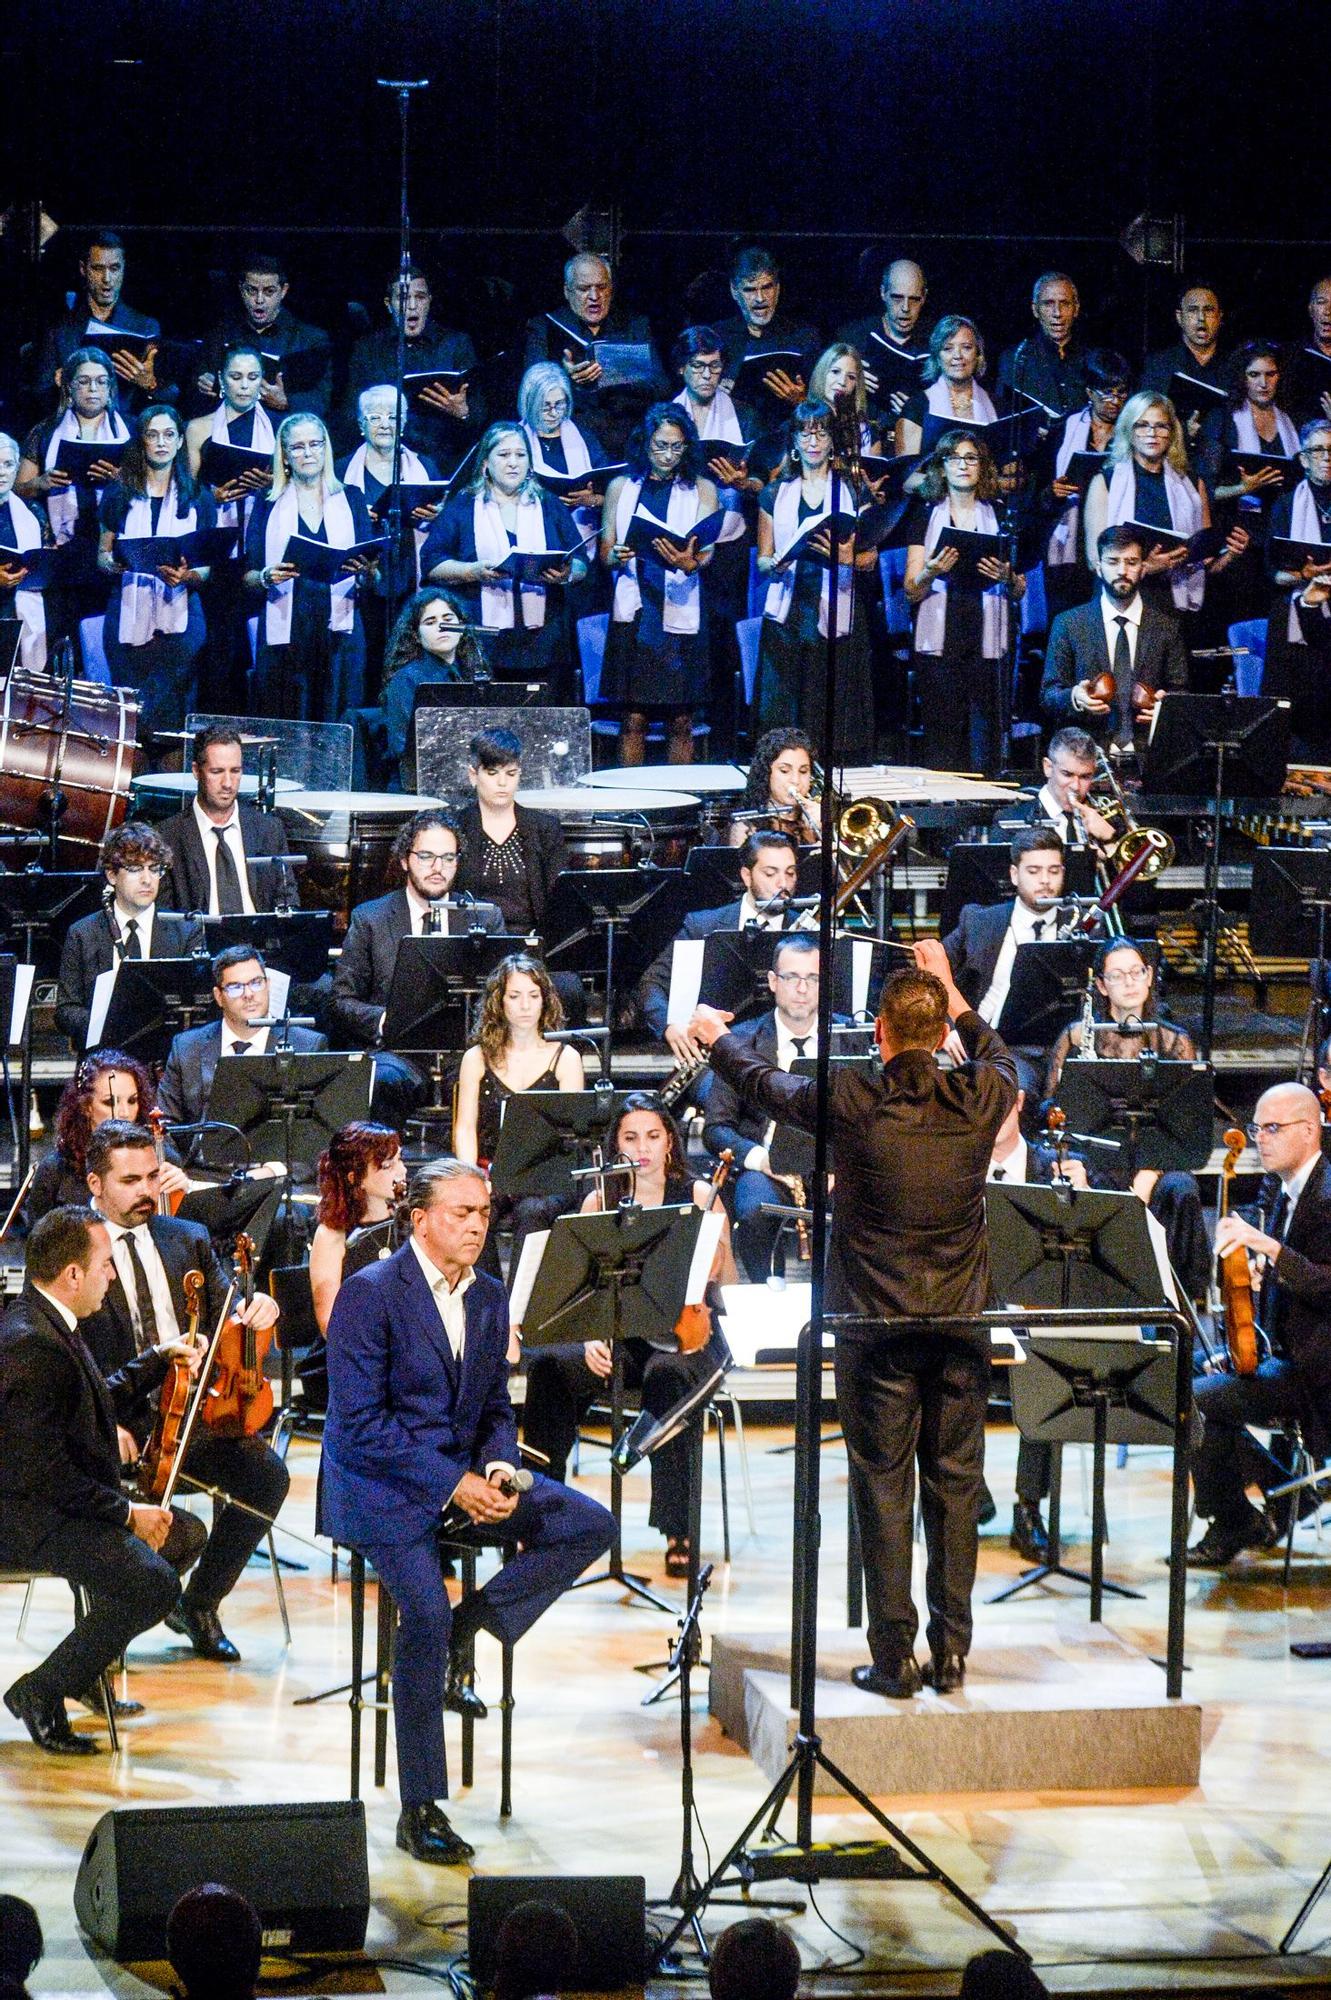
(240, 1399)
(1235, 1277)
(693, 1328)
(167, 1204)
(159, 1457)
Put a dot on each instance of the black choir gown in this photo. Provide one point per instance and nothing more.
(647, 668)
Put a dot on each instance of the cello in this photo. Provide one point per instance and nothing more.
(239, 1401)
(157, 1464)
(1235, 1276)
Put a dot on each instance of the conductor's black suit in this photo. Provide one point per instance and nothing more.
(912, 1145)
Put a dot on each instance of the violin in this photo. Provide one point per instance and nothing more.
(1235, 1276)
(167, 1204)
(693, 1328)
(173, 1402)
(240, 1399)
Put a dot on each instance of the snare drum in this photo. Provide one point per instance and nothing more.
(618, 828)
(348, 839)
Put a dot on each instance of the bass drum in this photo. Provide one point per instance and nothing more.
(620, 827)
(347, 838)
(82, 746)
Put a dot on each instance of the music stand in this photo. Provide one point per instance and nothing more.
(1161, 1113)
(1217, 745)
(1291, 894)
(20, 1135)
(42, 906)
(594, 914)
(546, 1134)
(476, 694)
(295, 941)
(435, 980)
(590, 1265)
(734, 969)
(977, 872)
(152, 1001)
(1045, 992)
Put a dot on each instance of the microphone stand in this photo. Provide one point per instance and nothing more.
(403, 88)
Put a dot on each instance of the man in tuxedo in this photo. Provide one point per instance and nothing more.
(587, 312)
(144, 1307)
(135, 860)
(61, 1504)
(265, 321)
(1116, 632)
(912, 1143)
(1070, 769)
(1049, 365)
(97, 307)
(790, 1031)
(1293, 1237)
(899, 327)
(444, 423)
(240, 989)
(983, 948)
(769, 870)
(420, 1426)
(216, 840)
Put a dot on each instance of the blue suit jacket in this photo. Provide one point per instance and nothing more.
(403, 1425)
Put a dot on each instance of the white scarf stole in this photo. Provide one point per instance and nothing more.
(261, 439)
(1064, 540)
(938, 401)
(413, 474)
(62, 504)
(720, 423)
(498, 612)
(1245, 433)
(931, 619)
(147, 605)
(283, 522)
(28, 603)
(681, 612)
(1304, 526)
(577, 458)
(1185, 516)
(781, 589)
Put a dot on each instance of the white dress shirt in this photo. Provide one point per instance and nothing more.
(1066, 824)
(1012, 1167)
(1294, 1186)
(235, 847)
(452, 1307)
(420, 908)
(1111, 613)
(1024, 927)
(786, 1052)
(255, 1044)
(768, 920)
(159, 1286)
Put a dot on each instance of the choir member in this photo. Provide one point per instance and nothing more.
(134, 859)
(952, 378)
(1067, 581)
(565, 1379)
(216, 841)
(1254, 423)
(369, 470)
(545, 409)
(903, 291)
(501, 510)
(310, 656)
(1296, 652)
(154, 625)
(443, 422)
(1307, 363)
(99, 304)
(698, 360)
(837, 378)
(961, 635)
(587, 311)
(1197, 353)
(20, 535)
(792, 655)
(88, 415)
(1049, 365)
(656, 655)
(1118, 633)
(266, 321)
(759, 327)
(239, 419)
(431, 642)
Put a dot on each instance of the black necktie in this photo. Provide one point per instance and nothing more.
(230, 902)
(1037, 929)
(799, 1043)
(1268, 1297)
(999, 1174)
(1070, 833)
(130, 946)
(147, 1326)
(1123, 674)
(240, 1048)
(432, 924)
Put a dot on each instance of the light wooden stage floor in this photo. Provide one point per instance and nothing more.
(1160, 1891)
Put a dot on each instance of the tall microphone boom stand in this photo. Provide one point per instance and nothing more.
(397, 594)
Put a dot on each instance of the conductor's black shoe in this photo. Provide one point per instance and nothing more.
(202, 1627)
(96, 1701)
(1224, 1540)
(44, 1718)
(424, 1833)
(947, 1673)
(460, 1695)
(898, 1681)
(1028, 1535)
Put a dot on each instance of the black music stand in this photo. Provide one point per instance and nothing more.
(1216, 745)
(20, 1136)
(153, 1000)
(1291, 894)
(1073, 1247)
(604, 920)
(977, 872)
(591, 1263)
(40, 907)
(295, 941)
(546, 1134)
(435, 982)
(1046, 991)
(1161, 1113)
(735, 965)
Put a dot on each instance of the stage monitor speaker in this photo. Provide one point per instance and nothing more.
(609, 1913)
(303, 1867)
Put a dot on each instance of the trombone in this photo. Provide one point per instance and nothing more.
(1138, 853)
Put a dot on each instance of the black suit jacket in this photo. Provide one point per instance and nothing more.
(1077, 652)
(543, 850)
(364, 972)
(59, 1457)
(654, 986)
(730, 1120)
(186, 887)
(973, 947)
(912, 1143)
(1301, 1301)
(187, 1080)
(183, 1246)
(89, 950)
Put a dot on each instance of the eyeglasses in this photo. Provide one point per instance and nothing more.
(234, 988)
(1272, 1126)
(797, 978)
(92, 382)
(813, 431)
(696, 367)
(1147, 425)
(432, 860)
(664, 449)
(1127, 975)
(1317, 451)
(960, 458)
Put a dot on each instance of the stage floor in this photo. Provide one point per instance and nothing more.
(1109, 1891)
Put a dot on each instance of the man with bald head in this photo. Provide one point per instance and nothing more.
(572, 333)
(892, 341)
(1292, 1293)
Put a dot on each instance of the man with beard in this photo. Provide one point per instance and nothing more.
(1115, 633)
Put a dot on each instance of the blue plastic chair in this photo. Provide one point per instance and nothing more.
(896, 610)
(748, 633)
(592, 633)
(1249, 632)
(1035, 604)
(93, 649)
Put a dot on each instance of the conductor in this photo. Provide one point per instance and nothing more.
(912, 1145)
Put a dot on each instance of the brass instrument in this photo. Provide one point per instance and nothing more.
(861, 826)
(1130, 840)
(863, 832)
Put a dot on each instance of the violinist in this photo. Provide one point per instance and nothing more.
(564, 1380)
(106, 1085)
(1290, 1251)
(143, 1309)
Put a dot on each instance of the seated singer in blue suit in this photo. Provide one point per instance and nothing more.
(420, 1422)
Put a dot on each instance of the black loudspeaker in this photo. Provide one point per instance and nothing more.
(608, 1911)
(303, 1867)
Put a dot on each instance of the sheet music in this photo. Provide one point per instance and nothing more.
(685, 981)
(861, 967)
(529, 1263)
(23, 978)
(101, 1000)
(704, 1253)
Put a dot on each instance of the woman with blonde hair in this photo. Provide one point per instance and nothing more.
(952, 393)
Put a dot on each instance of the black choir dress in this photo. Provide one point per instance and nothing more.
(528, 653)
(320, 673)
(224, 670)
(648, 669)
(958, 690)
(1297, 672)
(165, 670)
(792, 664)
